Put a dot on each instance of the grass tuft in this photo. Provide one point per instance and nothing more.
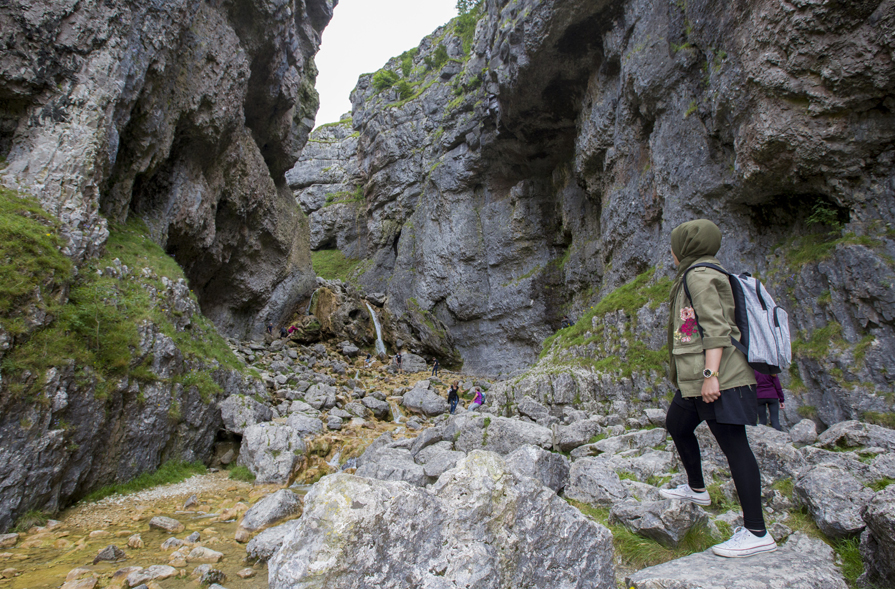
(332, 264)
(242, 473)
(172, 471)
(29, 519)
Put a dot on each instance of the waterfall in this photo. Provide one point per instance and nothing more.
(334, 463)
(397, 416)
(380, 345)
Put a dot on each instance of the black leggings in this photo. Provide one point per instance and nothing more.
(681, 423)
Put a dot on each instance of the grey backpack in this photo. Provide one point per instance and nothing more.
(764, 327)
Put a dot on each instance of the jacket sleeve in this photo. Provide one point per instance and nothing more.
(705, 292)
(779, 388)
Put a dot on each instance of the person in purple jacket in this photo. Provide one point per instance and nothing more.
(770, 395)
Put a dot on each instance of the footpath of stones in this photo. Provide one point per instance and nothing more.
(464, 481)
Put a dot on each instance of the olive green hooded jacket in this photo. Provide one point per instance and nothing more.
(712, 301)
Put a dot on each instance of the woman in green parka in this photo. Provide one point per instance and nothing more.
(715, 383)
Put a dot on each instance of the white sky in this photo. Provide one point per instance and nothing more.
(362, 36)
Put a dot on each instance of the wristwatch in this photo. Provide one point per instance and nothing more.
(708, 373)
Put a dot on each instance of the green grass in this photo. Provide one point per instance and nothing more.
(345, 196)
(29, 519)
(638, 551)
(628, 298)
(332, 264)
(807, 411)
(242, 473)
(172, 471)
(881, 484)
(784, 486)
(820, 341)
(30, 260)
(816, 247)
(97, 327)
(203, 382)
(883, 419)
(851, 563)
(720, 502)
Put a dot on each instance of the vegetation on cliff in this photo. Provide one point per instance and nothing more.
(91, 317)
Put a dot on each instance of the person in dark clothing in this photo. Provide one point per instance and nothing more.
(435, 366)
(770, 397)
(398, 361)
(454, 396)
(270, 328)
(566, 322)
(283, 332)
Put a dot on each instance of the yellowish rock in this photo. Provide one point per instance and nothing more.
(8, 540)
(10, 573)
(77, 573)
(99, 534)
(119, 579)
(62, 544)
(246, 573)
(88, 583)
(135, 541)
(202, 554)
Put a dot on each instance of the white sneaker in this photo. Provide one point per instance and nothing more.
(744, 543)
(685, 493)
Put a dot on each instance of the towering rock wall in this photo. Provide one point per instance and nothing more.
(542, 164)
(185, 113)
(180, 118)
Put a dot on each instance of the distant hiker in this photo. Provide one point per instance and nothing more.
(478, 400)
(283, 332)
(398, 361)
(368, 360)
(435, 366)
(715, 383)
(270, 328)
(566, 322)
(454, 396)
(770, 399)
(292, 329)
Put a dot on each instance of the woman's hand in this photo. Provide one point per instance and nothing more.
(711, 390)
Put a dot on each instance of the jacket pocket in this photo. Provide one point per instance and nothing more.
(689, 364)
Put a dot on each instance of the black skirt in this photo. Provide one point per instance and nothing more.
(736, 406)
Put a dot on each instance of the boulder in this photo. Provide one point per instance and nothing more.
(777, 457)
(641, 465)
(357, 409)
(262, 546)
(273, 508)
(852, 434)
(834, 499)
(579, 433)
(333, 423)
(394, 464)
(420, 399)
(109, 553)
(373, 449)
(380, 409)
(8, 540)
(504, 435)
(637, 440)
(801, 563)
(531, 408)
(304, 425)
(202, 554)
(552, 470)
(455, 535)
(321, 397)
(804, 432)
(240, 412)
(655, 416)
(166, 524)
(666, 521)
(156, 572)
(878, 540)
(427, 437)
(594, 483)
(437, 460)
(272, 452)
(413, 363)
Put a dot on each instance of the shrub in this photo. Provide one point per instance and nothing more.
(384, 79)
(407, 61)
(437, 59)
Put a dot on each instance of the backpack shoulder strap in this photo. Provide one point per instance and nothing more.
(736, 343)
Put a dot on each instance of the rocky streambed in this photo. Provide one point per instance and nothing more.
(363, 479)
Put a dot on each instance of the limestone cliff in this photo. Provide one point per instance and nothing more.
(134, 125)
(533, 158)
(184, 113)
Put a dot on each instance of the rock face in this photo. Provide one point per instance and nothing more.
(457, 535)
(186, 116)
(549, 166)
(808, 564)
(878, 540)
